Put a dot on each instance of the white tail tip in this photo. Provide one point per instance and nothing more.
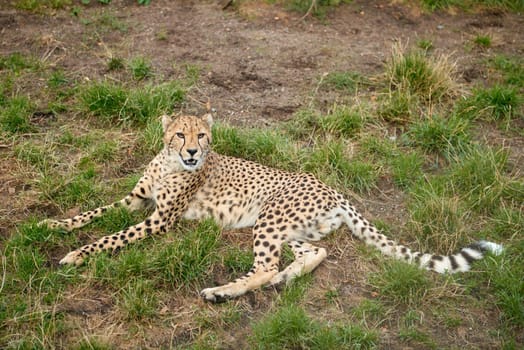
(494, 248)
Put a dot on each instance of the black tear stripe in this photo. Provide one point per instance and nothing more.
(181, 148)
(169, 143)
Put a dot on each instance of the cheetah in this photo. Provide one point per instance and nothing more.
(188, 180)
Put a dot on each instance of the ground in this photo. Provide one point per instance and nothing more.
(257, 64)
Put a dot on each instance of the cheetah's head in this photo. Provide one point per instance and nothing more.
(187, 139)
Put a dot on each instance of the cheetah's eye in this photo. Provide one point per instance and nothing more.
(179, 135)
(201, 135)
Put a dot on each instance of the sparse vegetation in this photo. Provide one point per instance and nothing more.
(483, 41)
(317, 8)
(140, 68)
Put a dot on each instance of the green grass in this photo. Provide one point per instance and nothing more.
(291, 328)
(504, 274)
(425, 44)
(512, 69)
(370, 311)
(398, 106)
(439, 135)
(320, 10)
(41, 5)
(483, 41)
(343, 121)
(329, 162)
(150, 139)
(15, 115)
(57, 79)
(111, 102)
(407, 168)
(498, 103)
(401, 283)
(140, 68)
(17, 62)
(188, 259)
(137, 300)
(264, 146)
(106, 21)
(414, 72)
(438, 217)
(344, 81)
(481, 173)
(83, 188)
(238, 261)
(115, 63)
(473, 5)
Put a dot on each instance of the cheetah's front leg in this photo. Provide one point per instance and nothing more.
(137, 199)
(168, 209)
(155, 224)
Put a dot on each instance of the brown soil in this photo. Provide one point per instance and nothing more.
(259, 64)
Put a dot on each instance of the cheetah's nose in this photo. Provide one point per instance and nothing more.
(192, 152)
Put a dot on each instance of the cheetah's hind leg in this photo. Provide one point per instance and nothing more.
(307, 258)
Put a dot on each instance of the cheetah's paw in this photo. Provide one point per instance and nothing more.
(72, 258)
(214, 295)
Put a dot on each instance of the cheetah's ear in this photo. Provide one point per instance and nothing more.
(208, 118)
(166, 121)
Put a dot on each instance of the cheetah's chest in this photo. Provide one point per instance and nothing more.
(230, 209)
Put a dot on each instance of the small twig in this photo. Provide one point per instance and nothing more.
(312, 98)
(3, 272)
(310, 10)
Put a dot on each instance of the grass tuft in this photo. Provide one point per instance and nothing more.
(111, 102)
(329, 162)
(511, 68)
(438, 217)
(493, 104)
(483, 41)
(264, 146)
(398, 106)
(15, 114)
(140, 68)
(291, 328)
(320, 8)
(137, 301)
(115, 63)
(425, 44)
(343, 121)
(17, 62)
(407, 168)
(401, 283)
(343, 81)
(189, 257)
(413, 72)
(504, 274)
(445, 136)
(481, 175)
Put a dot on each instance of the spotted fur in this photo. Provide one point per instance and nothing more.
(186, 179)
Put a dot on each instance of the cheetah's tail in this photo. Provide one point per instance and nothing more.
(459, 262)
